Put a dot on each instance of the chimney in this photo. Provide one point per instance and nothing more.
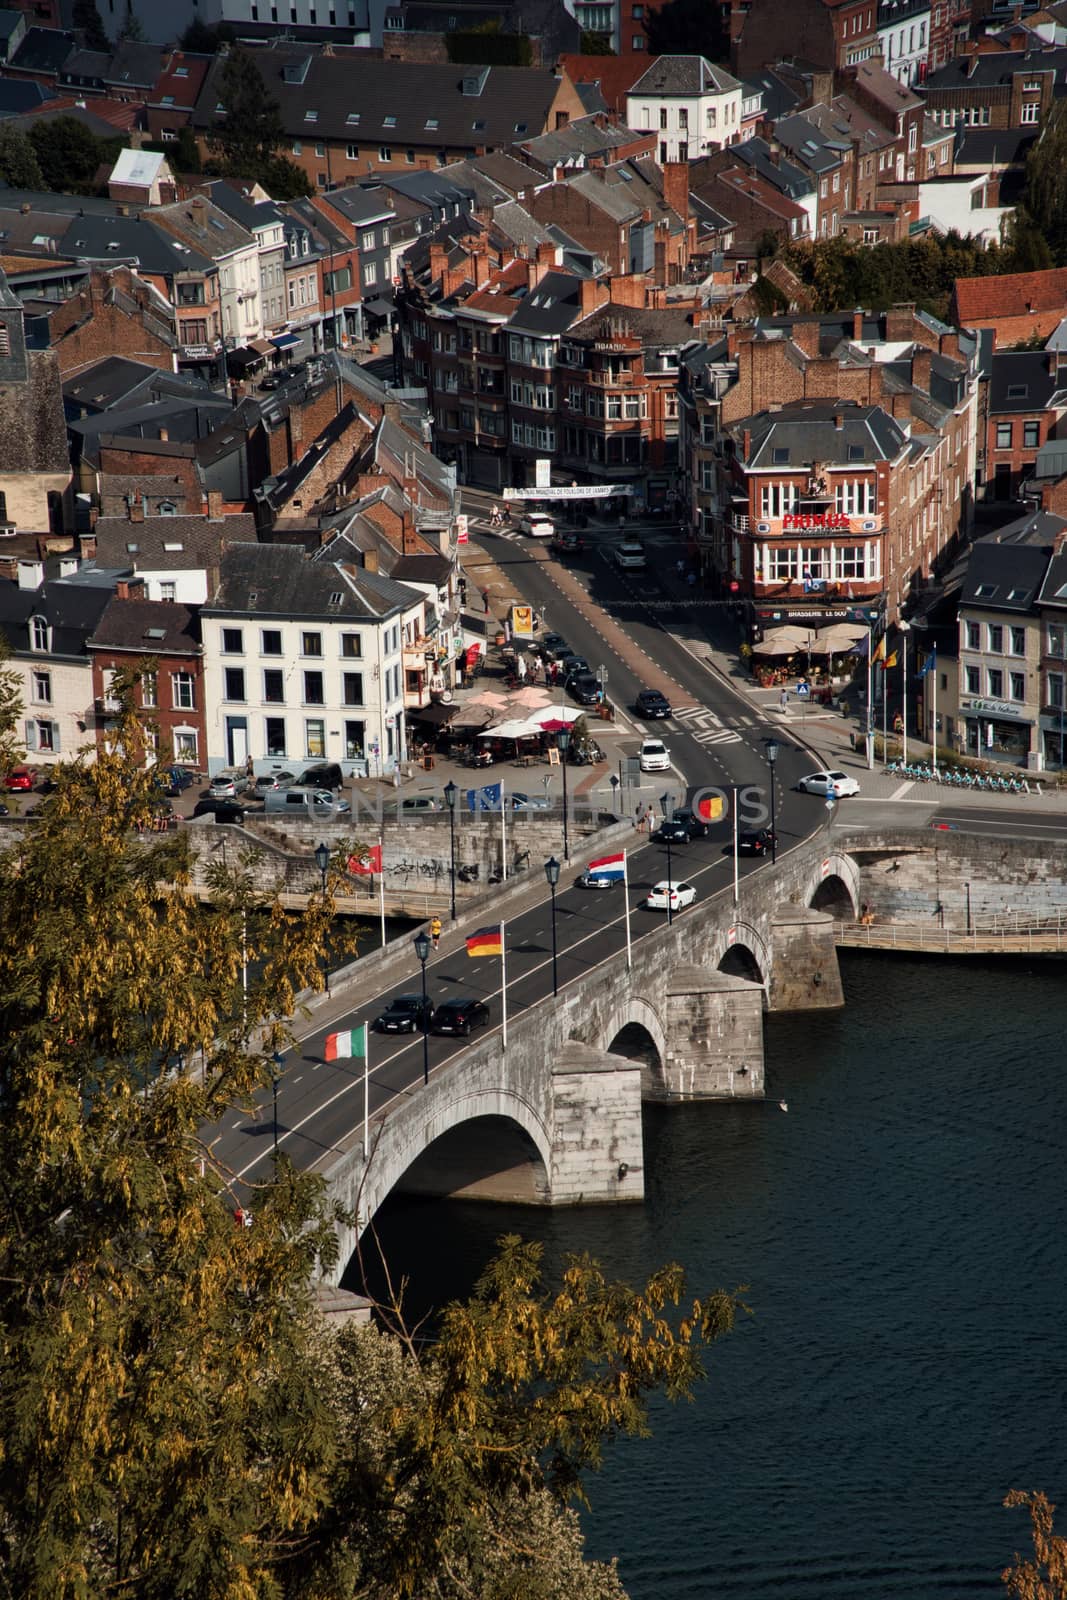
(920, 368)
(122, 589)
(214, 505)
(370, 560)
(746, 444)
(806, 335)
(88, 546)
(676, 187)
(593, 294)
(857, 324)
(839, 421)
(137, 510)
(31, 574)
(164, 435)
(438, 261)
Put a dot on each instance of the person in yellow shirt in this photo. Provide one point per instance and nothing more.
(435, 932)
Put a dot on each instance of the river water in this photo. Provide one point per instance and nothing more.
(901, 1229)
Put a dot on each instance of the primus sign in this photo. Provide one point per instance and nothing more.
(816, 519)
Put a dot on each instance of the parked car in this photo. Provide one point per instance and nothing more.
(537, 525)
(670, 893)
(651, 703)
(570, 664)
(554, 646)
(756, 841)
(459, 1015)
(19, 780)
(175, 780)
(272, 781)
(654, 756)
(567, 543)
(272, 380)
(630, 555)
(221, 810)
(408, 1013)
(675, 828)
(584, 687)
(591, 879)
(837, 784)
(302, 803)
(414, 805)
(324, 775)
(227, 784)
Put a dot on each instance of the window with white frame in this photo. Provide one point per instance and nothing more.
(776, 499)
(850, 561)
(185, 744)
(42, 688)
(782, 564)
(149, 690)
(183, 691)
(40, 634)
(855, 497)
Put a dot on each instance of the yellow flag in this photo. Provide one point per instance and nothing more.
(879, 654)
(891, 662)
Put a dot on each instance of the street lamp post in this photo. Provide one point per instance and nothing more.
(563, 744)
(421, 942)
(450, 800)
(772, 760)
(552, 874)
(276, 1071)
(322, 861)
(666, 805)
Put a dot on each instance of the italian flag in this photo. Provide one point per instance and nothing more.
(352, 1044)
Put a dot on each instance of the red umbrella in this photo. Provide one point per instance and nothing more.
(554, 725)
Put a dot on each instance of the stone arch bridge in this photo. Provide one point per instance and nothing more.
(555, 1119)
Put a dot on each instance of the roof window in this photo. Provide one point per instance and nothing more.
(311, 116)
(986, 591)
(1018, 391)
(352, 120)
(388, 122)
(855, 452)
(780, 455)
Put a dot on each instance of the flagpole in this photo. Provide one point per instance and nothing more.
(885, 711)
(626, 904)
(904, 709)
(503, 991)
(933, 730)
(503, 831)
(381, 884)
(736, 892)
(870, 703)
(366, 1090)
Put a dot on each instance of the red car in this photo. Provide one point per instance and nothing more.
(19, 778)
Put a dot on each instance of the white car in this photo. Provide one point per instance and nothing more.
(670, 894)
(837, 784)
(630, 554)
(537, 525)
(654, 756)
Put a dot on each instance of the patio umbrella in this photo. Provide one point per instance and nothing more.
(514, 729)
(837, 639)
(789, 633)
(774, 647)
(551, 718)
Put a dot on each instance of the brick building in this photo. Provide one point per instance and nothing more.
(1017, 306)
(1025, 401)
(990, 87)
(159, 643)
(828, 459)
(119, 312)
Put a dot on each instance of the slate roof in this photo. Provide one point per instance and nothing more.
(1011, 294)
(247, 213)
(663, 327)
(202, 226)
(581, 140)
(361, 205)
(71, 609)
(997, 67)
(992, 147)
(1006, 570)
(779, 98)
(683, 75)
(135, 63)
(106, 381)
(117, 488)
(135, 239)
(1020, 381)
(781, 174)
(551, 308)
(806, 432)
(422, 569)
(276, 580)
(810, 144)
(397, 101)
(20, 94)
(43, 50)
(1053, 591)
(156, 627)
(167, 544)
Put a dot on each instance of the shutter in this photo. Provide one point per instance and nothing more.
(31, 734)
(55, 737)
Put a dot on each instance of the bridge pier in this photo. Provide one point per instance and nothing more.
(597, 1149)
(804, 974)
(714, 1036)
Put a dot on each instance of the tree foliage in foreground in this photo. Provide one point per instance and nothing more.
(1045, 1576)
(1044, 203)
(176, 1420)
(845, 274)
(247, 143)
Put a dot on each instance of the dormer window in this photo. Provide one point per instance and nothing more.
(40, 634)
(167, 508)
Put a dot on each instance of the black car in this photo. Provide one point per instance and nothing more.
(650, 703)
(756, 841)
(569, 664)
(459, 1015)
(221, 810)
(696, 827)
(584, 688)
(675, 828)
(327, 775)
(272, 380)
(554, 646)
(567, 543)
(408, 1013)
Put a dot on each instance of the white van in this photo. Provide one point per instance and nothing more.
(300, 803)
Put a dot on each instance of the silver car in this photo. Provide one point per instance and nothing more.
(227, 784)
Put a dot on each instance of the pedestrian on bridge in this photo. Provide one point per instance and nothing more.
(435, 932)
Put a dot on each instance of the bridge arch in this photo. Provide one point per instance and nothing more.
(635, 1030)
(835, 887)
(746, 955)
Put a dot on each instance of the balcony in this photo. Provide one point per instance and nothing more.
(418, 654)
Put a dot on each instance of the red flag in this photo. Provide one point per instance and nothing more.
(367, 863)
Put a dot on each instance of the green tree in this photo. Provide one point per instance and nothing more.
(86, 18)
(161, 1378)
(248, 140)
(19, 166)
(11, 707)
(187, 151)
(596, 44)
(69, 155)
(1045, 186)
(199, 39)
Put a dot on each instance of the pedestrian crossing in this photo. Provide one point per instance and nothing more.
(707, 728)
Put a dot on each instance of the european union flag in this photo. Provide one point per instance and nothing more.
(489, 798)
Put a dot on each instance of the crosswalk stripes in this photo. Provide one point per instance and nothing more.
(705, 727)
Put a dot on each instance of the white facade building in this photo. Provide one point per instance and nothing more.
(904, 38)
(691, 106)
(304, 661)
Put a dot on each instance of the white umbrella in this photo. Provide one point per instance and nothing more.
(774, 647)
(837, 638)
(789, 633)
(510, 730)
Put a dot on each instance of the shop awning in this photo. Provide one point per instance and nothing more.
(284, 341)
(435, 715)
(264, 346)
(243, 358)
(379, 307)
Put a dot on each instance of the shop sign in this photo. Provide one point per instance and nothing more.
(990, 708)
(197, 352)
(815, 519)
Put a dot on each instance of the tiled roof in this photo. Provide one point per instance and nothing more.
(157, 627)
(161, 544)
(1012, 294)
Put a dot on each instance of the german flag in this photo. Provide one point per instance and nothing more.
(486, 942)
